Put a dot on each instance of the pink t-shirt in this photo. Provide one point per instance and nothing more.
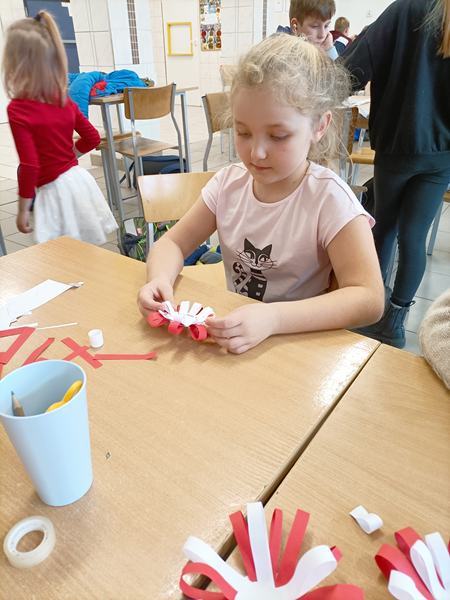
(277, 252)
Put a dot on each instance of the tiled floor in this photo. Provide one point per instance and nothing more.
(434, 283)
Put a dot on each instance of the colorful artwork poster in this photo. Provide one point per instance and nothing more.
(210, 25)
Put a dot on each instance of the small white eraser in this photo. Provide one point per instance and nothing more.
(96, 338)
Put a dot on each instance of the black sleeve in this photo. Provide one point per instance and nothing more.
(358, 60)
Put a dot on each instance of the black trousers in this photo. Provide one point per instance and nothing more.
(405, 206)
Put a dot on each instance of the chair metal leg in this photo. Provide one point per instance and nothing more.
(230, 149)
(434, 230)
(121, 129)
(221, 141)
(2, 244)
(141, 172)
(206, 156)
(107, 180)
(355, 173)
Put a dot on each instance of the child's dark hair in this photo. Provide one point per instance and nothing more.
(321, 9)
(298, 74)
(34, 61)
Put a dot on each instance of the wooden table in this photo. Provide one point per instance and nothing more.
(178, 442)
(386, 447)
(105, 102)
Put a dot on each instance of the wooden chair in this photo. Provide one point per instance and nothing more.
(226, 77)
(169, 197)
(216, 106)
(361, 156)
(144, 104)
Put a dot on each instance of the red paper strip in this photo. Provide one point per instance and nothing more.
(34, 355)
(175, 327)
(336, 553)
(276, 528)
(406, 538)
(156, 319)
(125, 356)
(202, 569)
(23, 333)
(292, 550)
(81, 351)
(341, 591)
(240, 529)
(389, 558)
(198, 332)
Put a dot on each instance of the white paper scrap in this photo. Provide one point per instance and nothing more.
(31, 299)
(56, 326)
(369, 522)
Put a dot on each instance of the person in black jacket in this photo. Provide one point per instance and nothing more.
(405, 55)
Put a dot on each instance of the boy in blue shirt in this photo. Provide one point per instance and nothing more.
(312, 18)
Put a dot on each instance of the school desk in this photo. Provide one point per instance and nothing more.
(179, 442)
(386, 447)
(115, 99)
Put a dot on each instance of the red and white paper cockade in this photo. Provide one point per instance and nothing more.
(194, 318)
(265, 580)
(420, 571)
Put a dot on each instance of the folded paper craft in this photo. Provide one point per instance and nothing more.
(264, 580)
(194, 319)
(369, 522)
(420, 571)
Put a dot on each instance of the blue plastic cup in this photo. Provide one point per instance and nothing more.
(54, 447)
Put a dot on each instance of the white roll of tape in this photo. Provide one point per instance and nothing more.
(96, 338)
(22, 560)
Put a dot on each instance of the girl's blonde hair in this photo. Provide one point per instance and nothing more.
(301, 75)
(439, 20)
(34, 61)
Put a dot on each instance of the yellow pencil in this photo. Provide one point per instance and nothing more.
(17, 407)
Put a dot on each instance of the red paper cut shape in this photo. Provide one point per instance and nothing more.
(81, 351)
(192, 319)
(285, 572)
(389, 558)
(125, 356)
(23, 333)
(34, 355)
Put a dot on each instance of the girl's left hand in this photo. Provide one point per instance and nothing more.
(245, 327)
(328, 42)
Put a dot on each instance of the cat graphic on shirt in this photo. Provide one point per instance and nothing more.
(251, 281)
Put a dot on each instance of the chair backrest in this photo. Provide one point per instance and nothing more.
(169, 197)
(226, 75)
(149, 103)
(216, 105)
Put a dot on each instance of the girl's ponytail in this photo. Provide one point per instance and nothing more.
(61, 72)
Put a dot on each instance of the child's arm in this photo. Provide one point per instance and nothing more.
(166, 258)
(358, 301)
(89, 136)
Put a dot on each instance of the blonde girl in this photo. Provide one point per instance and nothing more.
(284, 222)
(42, 119)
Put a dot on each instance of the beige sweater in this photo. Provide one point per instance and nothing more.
(434, 336)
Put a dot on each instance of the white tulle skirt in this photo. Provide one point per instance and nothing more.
(72, 205)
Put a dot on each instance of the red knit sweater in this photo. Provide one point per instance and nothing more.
(43, 136)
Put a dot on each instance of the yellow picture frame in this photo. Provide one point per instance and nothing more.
(179, 38)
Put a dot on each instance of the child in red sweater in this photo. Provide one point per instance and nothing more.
(42, 119)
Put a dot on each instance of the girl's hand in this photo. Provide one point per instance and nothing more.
(22, 221)
(151, 295)
(245, 327)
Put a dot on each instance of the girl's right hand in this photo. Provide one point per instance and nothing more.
(22, 221)
(153, 294)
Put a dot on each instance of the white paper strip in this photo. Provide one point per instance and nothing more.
(423, 563)
(56, 326)
(369, 522)
(403, 587)
(259, 542)
(441, 557)
(185, 316)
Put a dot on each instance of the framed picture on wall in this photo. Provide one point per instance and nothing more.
(287, 4)
(210, 25)
(279, 5)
